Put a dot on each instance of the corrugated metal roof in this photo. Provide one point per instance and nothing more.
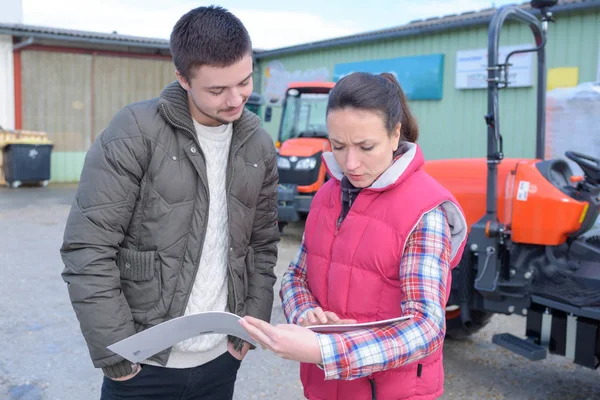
(429, 25)
(42, 32)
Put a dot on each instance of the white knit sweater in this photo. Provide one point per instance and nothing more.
(209, 292)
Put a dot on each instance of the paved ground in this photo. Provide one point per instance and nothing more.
(45, 357)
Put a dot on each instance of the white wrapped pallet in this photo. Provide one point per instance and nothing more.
(573, 122)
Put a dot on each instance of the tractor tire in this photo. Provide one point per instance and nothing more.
(462, 287)
(455, 330)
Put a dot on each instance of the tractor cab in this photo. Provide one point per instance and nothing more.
(301, 141)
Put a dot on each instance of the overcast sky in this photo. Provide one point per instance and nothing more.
(271, 23)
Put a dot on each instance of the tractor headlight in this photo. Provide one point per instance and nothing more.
(283, 163)
(306, 163)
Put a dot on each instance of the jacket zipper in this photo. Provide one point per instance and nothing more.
(373, 389)
(187, 297)
(231, 161)
(229, 269)
(339, 220)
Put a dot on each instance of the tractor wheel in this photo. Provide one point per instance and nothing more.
(457, 331)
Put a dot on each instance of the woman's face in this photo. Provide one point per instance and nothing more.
(361, 144)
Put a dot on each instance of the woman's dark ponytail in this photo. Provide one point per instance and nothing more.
(410, 129)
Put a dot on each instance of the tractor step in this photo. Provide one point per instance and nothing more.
(523, 347)
(568, 290)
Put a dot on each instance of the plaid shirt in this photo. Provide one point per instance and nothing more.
(423, 273)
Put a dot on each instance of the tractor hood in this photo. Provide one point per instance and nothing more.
(304, 147)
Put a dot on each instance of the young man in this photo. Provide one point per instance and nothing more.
(176, 214)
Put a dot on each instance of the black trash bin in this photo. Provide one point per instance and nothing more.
(26, 163)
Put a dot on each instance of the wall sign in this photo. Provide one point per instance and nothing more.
(421, 77)
(471, 67)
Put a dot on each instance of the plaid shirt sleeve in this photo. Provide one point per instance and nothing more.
(296, 297)
(423, 276)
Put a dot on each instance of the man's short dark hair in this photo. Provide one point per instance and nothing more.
(208, 36)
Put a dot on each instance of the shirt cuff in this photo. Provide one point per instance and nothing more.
(335, 363)
(120, 369)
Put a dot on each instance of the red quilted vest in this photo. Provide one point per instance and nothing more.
(353, 270)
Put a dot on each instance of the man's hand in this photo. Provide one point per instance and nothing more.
(317, 316)
(288, 341)
(235, 353)
(127, 377)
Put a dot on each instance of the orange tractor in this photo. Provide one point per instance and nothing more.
(302, 140)
(531, 250)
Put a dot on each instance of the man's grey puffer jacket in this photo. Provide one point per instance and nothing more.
(134, 235)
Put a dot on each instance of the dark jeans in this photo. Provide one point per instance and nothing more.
(214, 380)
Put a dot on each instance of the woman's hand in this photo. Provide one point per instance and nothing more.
(317, 316)
(290, 342)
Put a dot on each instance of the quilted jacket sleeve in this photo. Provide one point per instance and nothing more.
(264, 240)
(99, 217)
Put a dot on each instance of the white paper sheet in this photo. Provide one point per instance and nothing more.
(153, 340)
(352, 327)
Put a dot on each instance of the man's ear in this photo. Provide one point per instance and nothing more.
(182, 81)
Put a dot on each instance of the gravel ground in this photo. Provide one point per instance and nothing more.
(45, 357)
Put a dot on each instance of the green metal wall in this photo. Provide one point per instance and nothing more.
(454, 126)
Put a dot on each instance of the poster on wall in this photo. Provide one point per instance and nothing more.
(421, 77)
(471, 67)
(562, 77)
(276, 79)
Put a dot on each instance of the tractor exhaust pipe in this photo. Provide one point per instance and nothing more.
(498, 78)
(488, 233)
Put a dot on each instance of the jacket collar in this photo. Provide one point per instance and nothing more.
(174, 107)
(408, 159)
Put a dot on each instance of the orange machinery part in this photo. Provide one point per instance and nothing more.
(306, 147)
(542, 214)
(467, 178)
(316, 84)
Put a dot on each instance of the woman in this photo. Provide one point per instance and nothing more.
(380, 242)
